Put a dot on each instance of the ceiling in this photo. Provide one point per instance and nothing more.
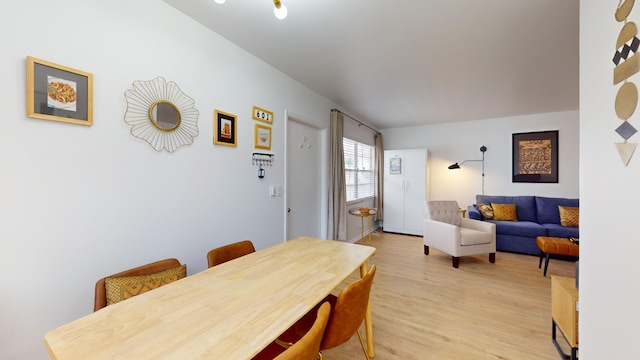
(413, 62)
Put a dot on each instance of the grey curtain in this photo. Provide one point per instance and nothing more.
(337, 227)
(379, 172)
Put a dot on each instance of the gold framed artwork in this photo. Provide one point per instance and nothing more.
(59, 93)
(262, 138)
(225, 127)
(262, 115)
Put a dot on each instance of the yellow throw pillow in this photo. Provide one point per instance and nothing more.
(569, 215)
(506, 212)
(124, 287)
(486, 210)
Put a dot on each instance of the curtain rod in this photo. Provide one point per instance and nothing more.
(356, 120)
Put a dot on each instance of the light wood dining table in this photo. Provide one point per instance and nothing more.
(230, 311)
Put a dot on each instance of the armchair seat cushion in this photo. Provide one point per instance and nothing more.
(474, 237)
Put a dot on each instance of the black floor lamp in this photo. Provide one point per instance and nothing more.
(457, 166)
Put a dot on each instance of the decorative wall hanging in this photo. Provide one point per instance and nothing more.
(60, 93)
(161, 114)
(224, 128)
(535, 157)
(626, 65)
(262, 115)
(262, 138)
(262, 159)
(395, 166)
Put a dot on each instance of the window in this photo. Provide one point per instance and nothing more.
(359, 168)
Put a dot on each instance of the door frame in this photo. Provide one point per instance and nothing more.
(323, 171)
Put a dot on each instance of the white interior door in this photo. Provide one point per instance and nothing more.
(303, 195)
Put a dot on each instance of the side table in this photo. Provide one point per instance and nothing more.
(564, 313)
(363, 215)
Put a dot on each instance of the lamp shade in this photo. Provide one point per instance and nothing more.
(454, 166)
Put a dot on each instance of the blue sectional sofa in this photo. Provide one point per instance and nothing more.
(537, 216)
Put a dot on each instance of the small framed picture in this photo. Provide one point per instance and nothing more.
(395, 166)
(60, 93)
(262, 137)
(262, 115)
(225, 128)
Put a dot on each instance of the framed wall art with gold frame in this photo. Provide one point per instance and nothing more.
(225, 127)
(60, 93)
(262, 139)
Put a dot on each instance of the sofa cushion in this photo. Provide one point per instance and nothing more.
(504, 212)
(520, 228)
(557, 230)
(525, 205)
(569, 215)
(547, 208)
(486, 211)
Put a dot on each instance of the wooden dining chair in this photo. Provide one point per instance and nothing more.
(100, 300)
(348, 310)
(307, 348)
(228, 252)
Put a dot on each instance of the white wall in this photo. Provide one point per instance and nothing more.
(609, 195)
(456, 142)
(79, 203)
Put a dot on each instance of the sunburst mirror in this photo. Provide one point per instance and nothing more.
(161, 114)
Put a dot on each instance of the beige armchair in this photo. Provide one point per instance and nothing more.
(446, 231)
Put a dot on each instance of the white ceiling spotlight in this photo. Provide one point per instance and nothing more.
(278, 8)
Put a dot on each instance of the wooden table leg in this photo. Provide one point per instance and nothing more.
(368, 325)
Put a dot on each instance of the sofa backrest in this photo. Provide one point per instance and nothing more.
(525, 205)
(547, 208)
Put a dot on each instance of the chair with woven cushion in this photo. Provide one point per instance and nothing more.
(160, 272)
(348, 310)
(446, 231)
(229, 252)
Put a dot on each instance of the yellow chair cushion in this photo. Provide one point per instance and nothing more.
(486, 210)
(124, 287)
(569, 215)
(506, 212)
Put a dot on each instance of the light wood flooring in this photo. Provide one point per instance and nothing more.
(423, 308)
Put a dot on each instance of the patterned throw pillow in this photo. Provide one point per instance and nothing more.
(124, 287)
(486, 211)
(505, 212)
(569, 215)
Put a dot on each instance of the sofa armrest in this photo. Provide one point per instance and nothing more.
(473, 212)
